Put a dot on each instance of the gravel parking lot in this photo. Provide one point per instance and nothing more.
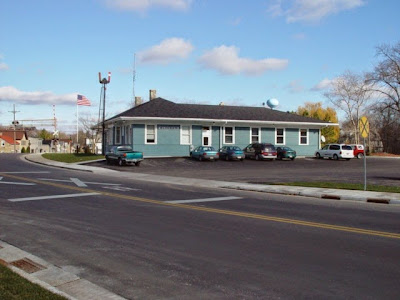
(382, 171)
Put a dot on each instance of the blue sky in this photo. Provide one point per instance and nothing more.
(190, 51)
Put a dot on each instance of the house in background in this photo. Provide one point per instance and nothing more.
(7, 144)
(161, 128)
(20, 137)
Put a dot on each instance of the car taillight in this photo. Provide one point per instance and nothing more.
(124, 155)
(204, 154)
(217, 153)
(284, 152)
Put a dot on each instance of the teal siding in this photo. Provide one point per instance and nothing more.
(268, 135)
(168, 139)
(196, 135)
(215, 139)
(242, 137)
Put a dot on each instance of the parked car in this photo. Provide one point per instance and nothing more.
(205, 153)
(123, 155)
(260, 151)
(285, 152)
(335, 151)
(231, 153)
(358, 150)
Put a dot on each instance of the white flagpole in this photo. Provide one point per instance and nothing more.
(77, 126)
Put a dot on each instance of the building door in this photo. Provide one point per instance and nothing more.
(206, 136)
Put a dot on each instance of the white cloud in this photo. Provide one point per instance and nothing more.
(225, 60)
(144, 5)
(295, 86)
(167, 51)
(3, 66)
(12, 94)
(311, 10)
(323, 85)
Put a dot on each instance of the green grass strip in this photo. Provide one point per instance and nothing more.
(71, 157)
(344, 186)
(15, 287)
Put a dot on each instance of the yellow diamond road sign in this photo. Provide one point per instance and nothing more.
(364, 126)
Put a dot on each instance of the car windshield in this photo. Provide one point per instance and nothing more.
(236, 149)
(208, 149)
(286, 149)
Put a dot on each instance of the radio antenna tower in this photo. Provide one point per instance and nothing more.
(102, 109)
(133, 79)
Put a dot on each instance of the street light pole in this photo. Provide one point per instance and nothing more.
(15, 127)
(104, 82)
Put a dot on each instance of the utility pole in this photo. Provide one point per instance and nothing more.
(104, 82)
(15, 126)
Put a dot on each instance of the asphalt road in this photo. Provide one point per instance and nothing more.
(380, 171)
(129, 239)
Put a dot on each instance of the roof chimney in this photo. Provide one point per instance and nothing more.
(138, 101)
(153, 95)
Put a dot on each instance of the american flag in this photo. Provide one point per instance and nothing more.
(82, 100)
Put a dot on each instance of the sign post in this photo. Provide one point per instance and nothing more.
(364, 130)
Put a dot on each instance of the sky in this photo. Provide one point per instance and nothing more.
(190, 51)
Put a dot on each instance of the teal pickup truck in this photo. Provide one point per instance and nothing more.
(123, 155)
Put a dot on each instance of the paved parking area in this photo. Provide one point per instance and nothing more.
(382, 171)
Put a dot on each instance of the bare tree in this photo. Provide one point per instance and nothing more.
(385, 79)
(350, 93)
(89, 127)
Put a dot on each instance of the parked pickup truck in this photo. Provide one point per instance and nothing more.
(123, 155)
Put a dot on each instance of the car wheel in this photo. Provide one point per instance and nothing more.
(360, 155)
(226, 157)
(200, 158)
(335, 157)
(257, 157)
(120, 162)
(108, 161)
(292, 158)
(137, 164)
(318, 155)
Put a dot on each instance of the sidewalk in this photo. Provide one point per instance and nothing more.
(323, 193)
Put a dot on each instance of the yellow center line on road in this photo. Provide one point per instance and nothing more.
(217, 211)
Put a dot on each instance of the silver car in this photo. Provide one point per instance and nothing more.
(335, 151)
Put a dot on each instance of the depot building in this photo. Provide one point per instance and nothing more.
(161, 128)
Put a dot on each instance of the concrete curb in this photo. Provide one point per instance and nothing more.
(51, 277)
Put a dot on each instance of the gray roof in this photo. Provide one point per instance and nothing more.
(161, 108)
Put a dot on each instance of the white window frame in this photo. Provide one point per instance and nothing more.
(233, 135)
(283, 136)
(116, 140)
(251, 135)
(155, 134)
(308, 137)
(190, 135)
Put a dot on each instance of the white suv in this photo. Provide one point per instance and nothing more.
(335, 151)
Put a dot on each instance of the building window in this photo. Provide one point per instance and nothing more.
(228, 135)
(303, 137)
(280, 136)
(186, 138)
(117, 135)
(151, 135)
(255, 135)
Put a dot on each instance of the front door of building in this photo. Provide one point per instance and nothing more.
(206, 136)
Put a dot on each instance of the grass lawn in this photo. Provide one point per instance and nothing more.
(345, 186)
(71, 157)
(15, 287)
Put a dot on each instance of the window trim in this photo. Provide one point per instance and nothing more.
(283, 136)
(116, 140)
(181, 134)
(155, 134)
(251, 135)
(308, 137)
(233, 135)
